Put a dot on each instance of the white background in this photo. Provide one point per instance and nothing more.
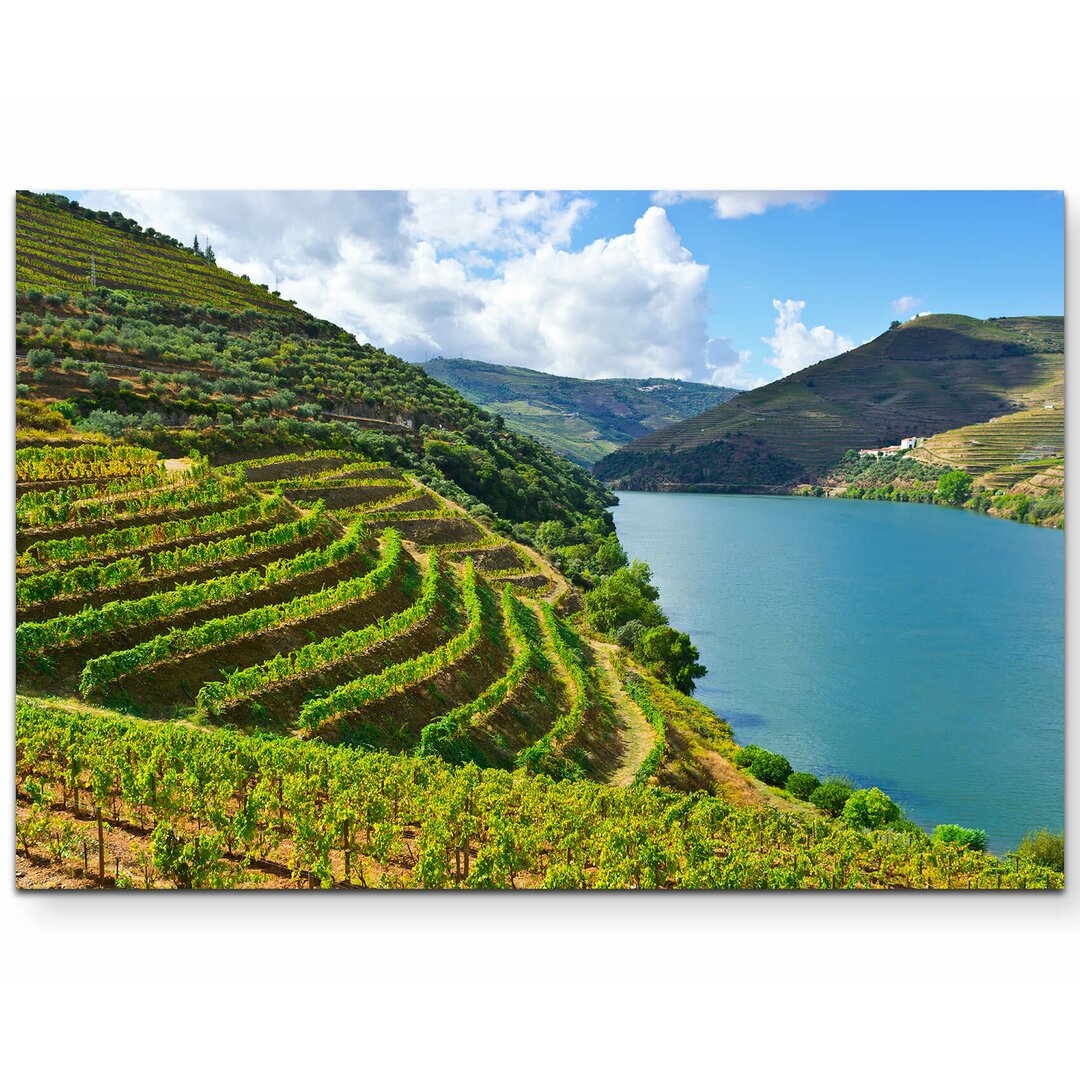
(566, 95)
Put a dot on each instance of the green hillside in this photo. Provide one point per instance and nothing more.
(928, 376)
(583, 419)
(178, 355)
(58, 244)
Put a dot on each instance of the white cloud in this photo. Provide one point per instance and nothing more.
(728, 366)
(903, 304)
(740, 204)
(634, 304)
(506, 221)
(795, 346)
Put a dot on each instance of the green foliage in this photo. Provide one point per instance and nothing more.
(958, 836)
(770, 768)
(802, 784)
(627, 594)
(954, 487)
(1044, 848)
(870, 809)
(629, 634)
(831, 795)
(205, 794)
(670, 655)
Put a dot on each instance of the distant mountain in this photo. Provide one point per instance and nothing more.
(583, 419)
(928, 376)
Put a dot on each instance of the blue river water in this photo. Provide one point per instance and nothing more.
(914, 648)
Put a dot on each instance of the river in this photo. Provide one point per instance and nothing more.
(914, 648)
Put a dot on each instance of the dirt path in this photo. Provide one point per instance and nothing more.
(639, 736)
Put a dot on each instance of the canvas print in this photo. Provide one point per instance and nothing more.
(539, 540)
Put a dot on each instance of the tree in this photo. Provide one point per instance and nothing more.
(627, 594)
(954, 487)
(832, 796)
(802, 784)
(1044, 848)
(195, 245)
(670, 655)
(894, 324)
(769, 768)
(870, 809)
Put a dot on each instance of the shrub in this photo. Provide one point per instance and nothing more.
(22, 390)
(958, 836)
(1044, 848)
(98, 380)
(802, 784)
(745, 755)
(832, 795)
(769, 768)
(629, 633)
(870, 809)
(772, 769)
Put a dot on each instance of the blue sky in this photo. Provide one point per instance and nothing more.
(737, 288)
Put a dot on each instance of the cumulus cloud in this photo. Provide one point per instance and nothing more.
(728, 366)
(631, 305)
(277, 230)
(495, 221)
(794, 346)
(740, 204)
(903, 304)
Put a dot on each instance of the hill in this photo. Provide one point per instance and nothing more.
(928, 376)
(177, 355)
(583, 419)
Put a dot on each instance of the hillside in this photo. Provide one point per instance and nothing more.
(583, 419)
(177, 355)
(928, 376)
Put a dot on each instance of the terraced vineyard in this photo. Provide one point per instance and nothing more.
(334, 596)
(53, 250)
(1002, 451)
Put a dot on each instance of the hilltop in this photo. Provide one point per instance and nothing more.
(583, 419)
(927, 377)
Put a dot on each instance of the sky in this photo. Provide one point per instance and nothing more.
(730, 288)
